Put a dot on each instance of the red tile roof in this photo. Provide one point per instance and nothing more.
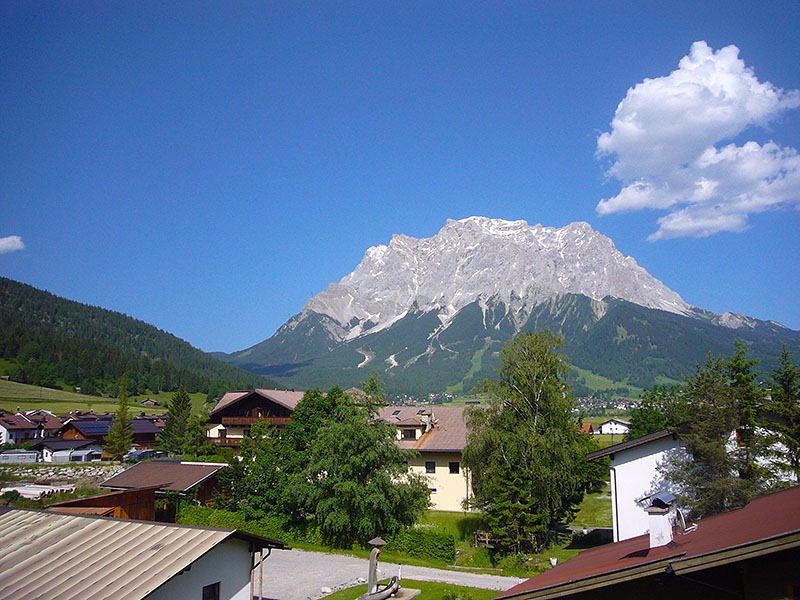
(762, 522)
(15, 421)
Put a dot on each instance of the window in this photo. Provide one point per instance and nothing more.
(430, 466)
(433, 490)
(223, 433)
(211, 592)
(454, 468)
(396, 412)
(409, 434)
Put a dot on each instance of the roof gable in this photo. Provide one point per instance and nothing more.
(169, 475)
(288, 399)
(763, 522)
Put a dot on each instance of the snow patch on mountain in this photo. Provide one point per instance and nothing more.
(484, 259)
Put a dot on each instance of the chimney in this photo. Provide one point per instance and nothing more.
(660, 526)
(658, 520)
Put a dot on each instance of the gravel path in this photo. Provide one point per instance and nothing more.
(300, 575)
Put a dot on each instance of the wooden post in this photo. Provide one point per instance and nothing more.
(261, 576)
(252, 569)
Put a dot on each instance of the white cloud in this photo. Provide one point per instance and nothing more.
(665, 145)
(11, 243)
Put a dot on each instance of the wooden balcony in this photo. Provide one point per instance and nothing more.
(245, 421)
(227, 442)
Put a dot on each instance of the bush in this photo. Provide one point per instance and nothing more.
(418, 543)
(424, 543)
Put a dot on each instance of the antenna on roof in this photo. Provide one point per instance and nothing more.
(681, 522)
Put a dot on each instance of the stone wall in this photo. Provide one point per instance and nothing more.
(83, 475)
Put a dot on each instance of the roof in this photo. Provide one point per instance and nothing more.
(449, 432)
(615, 420)
(639, 441)
(100, 427)
(287, 398)
(768, 524)
(173, 476)
(51, 555)
(44, 417)
(56, 444)
(15, 421)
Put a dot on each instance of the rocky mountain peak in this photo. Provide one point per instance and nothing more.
(478, 258)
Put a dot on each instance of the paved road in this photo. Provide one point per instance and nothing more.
(300, 575)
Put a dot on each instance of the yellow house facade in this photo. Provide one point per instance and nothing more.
(438, 435)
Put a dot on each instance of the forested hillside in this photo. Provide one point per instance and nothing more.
(53, 341)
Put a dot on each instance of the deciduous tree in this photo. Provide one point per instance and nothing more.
(523, 449)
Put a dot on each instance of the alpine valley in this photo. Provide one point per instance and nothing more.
(431, 315)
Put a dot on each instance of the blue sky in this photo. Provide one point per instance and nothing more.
(208, 167)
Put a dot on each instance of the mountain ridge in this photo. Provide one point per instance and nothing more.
(478, 282)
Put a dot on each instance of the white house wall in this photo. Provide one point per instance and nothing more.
(228, 563)
(634, 475)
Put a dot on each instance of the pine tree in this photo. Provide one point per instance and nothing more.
(179, 410)
(120, 435)
(784, 422)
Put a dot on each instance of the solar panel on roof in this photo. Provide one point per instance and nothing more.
(96, 427)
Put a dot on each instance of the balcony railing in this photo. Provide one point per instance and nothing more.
(250, 420)
(229, 442)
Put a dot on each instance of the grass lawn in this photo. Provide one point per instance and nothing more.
(430, 591)
(595, 510)
(30, 397)
(461, 525)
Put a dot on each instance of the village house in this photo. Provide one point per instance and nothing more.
(183, 477)
(138, 503)
(613, 427)
(439, 436)
(27, 426)
(59, 450)
(236, 412)
(49, 555)
(635, 478)
(750, 553)
(95, 428)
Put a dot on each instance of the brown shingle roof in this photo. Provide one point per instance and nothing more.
(286, 398)
(770, 521)
(176, 476)
(449, 432)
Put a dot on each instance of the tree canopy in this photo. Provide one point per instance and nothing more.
(739, 442)
(523, 450)
(334, 464)
(120, 435)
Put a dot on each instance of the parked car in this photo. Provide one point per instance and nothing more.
(138, 455)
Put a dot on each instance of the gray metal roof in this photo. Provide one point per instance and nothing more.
(48, 555)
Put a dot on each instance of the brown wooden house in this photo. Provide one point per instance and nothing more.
(236, 412)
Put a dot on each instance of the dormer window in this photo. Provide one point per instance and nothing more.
(409, 434)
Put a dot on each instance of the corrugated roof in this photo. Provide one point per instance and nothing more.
(57, 556)
(449, 432)
(176, 476)
(766, 520)
(286, 398)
